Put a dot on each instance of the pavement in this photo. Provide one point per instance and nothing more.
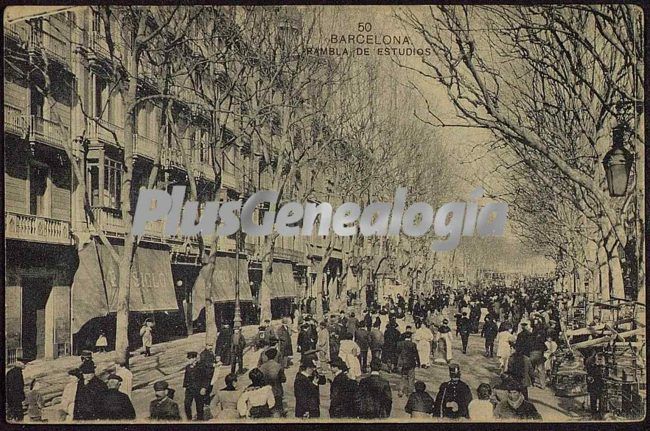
(168, 360)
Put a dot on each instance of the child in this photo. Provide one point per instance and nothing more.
(102, 343)
(551, 347)
(481, 410)
(34, 402)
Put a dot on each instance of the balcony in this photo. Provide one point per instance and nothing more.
(15, 121)
(111, 223)
(37, 229)
(145, 146)
(47, 131)
(55, 48)
(18, 31)
(172, 157)
(229, 180)
(103, 130)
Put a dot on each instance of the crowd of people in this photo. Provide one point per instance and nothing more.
(351, 354)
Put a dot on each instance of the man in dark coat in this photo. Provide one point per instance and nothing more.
(116, 405)
(362, 338)
(374, 397)
(367, 319)
(223, 346)
(237, 355)
(306, 340)
(391, 339)
(376, 340)
(90, 393)
(15, 391)
(352, 324)
(464, 329)
(454, 396)
(515, 406)
(595, 383)
(274, 376)
(521, 370)
(524, 342)
(474, 316)
(489, 331)
(407, 361)
(163, 407)
(195, 383)
(285, 346)
(306, 390)
(342, 392)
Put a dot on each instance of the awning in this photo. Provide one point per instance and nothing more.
(282, 282)
(224, 280)
(94, 290)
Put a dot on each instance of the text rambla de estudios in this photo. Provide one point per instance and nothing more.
(451, 221)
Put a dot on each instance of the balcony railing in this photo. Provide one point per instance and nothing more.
(47, 131)
(57, 48)
(145, 146)
(15, 121)
(110, 222)
(103, 130)
(17, 31)
(37, 228)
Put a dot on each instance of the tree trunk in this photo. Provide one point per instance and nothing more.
(126, 261)
(616, 274)
(210, 322)
(265, 287)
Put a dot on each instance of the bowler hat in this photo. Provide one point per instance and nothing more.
(160, 385)
(191, 355)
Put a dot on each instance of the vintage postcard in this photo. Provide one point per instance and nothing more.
(236, 214)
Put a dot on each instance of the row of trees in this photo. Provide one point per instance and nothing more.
(243, 76)
(550, 83)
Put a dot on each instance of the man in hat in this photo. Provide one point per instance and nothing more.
(195, 383)
(323, 344)
(374, 397)
(223, 345)
(86, 355)
(343, 391)
(126, 385)
(408, 360)
(305, 341)
(163, 407)
(524, 341)
(90, 393)
(306, 390)
(454, 396)
(116, 405)
(274, 376)
(515, 406)
(464, 329)
(489, 331)
(15, 391)
(285, 346)
(238, 345)
(362, 338)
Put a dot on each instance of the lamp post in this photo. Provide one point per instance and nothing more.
(618, 163)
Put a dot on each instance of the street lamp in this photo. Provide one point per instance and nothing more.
(618, 163)
(237, 317)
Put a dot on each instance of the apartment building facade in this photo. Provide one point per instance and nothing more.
(61, 119)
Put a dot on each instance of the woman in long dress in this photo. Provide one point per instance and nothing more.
(504, 340)
(423, 338)
(349, 351)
